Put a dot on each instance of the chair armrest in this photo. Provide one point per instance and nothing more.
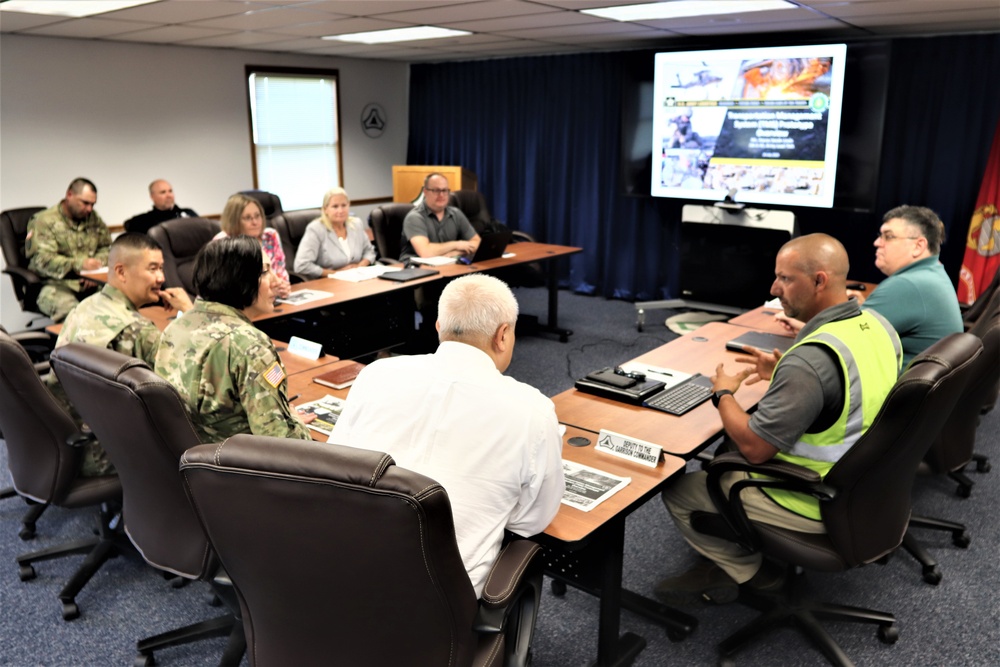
(517, 236)
(19, 273)
(511, 574)
(28, 336)
(780, 475)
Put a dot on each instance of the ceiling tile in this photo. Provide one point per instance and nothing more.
(89, 28)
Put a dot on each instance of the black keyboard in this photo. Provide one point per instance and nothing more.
(682, 397)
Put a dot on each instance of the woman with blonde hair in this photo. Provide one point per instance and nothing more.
(244, 215)
(333, 241)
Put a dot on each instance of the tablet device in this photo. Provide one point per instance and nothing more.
(766, 342)
(405, 275)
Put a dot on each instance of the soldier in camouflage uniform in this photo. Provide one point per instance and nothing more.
(225, 369)
(62, 241)
(111, 319)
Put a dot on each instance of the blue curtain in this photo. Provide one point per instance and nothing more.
(944, 102)
(542, 134)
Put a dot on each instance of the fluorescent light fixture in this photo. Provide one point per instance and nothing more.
(71, 8)
(399, 35)
(685, 8)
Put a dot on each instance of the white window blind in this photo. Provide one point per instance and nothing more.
(295, 136)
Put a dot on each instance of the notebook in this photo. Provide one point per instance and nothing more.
(342, 374)
(406, 275)
(765, 342)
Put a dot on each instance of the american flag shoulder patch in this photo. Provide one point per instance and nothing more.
(274, 374)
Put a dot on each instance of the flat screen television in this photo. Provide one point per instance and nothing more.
(761, 125)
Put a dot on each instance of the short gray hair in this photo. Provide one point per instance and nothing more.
(473, 307)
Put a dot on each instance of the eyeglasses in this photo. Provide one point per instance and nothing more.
(251, 217)
(438, 191)
(889, 236)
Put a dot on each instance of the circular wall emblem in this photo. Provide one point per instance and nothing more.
(373, 120)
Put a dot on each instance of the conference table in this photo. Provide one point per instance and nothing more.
(367, 301)
(357, 318)
(585, 549)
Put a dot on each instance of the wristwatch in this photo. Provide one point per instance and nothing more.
(717, 396)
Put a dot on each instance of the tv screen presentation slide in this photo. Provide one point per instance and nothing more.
(764, 122)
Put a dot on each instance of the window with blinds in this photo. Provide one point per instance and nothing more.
(295, 130)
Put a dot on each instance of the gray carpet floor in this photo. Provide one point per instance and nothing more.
(954, 623)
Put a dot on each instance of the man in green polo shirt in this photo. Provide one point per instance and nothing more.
(917, 298)
(825, 392)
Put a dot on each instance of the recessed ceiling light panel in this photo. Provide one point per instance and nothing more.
(685, 8)
(71, 8)
(413, 34)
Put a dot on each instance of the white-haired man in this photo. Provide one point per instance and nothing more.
(491, 441)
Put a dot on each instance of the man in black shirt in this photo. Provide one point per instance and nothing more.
(162, 194)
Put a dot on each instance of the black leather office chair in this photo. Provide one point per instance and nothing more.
(270, 202)
(43, 454)
(387, 226)
(864, 499)
(181, 239)
(145, 435)
(473, 204)
(980, 306)
(26, 283)
(291, 227)
(953, 449)
(336, 551)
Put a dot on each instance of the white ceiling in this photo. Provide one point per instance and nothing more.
(500, 27)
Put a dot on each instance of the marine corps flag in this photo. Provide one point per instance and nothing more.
(982, 245)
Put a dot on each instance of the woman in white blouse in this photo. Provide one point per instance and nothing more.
(333, 241)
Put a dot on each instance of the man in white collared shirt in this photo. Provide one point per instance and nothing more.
(491, 441)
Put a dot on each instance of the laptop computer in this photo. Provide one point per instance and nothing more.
(491, 246)
(765, 342)
(406, 275)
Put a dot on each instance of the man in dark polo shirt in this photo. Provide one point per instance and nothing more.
(164, 208)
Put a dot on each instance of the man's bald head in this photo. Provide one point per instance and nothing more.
(810, 275)
(820, 252)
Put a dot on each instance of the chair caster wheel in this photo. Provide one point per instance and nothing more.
(676, 635)
(961, 541)
(70, 611)
(888, 634)
(26, 533)
(144, 660)
(179, 582)
(983, 466)
(963, 491)
(558, 588)
(26, 572)
(932, 575)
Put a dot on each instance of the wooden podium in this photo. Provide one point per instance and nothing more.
(408, 179)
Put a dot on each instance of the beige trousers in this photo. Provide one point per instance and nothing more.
(690, 494)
